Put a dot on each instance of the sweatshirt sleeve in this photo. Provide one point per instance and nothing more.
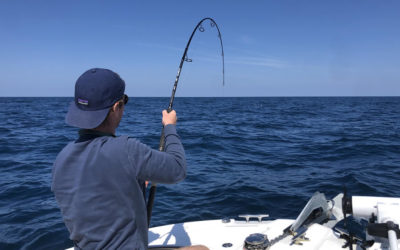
(161, 167)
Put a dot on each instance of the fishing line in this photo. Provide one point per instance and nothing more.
(185, 58)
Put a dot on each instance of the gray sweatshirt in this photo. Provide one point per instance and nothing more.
(98, 184)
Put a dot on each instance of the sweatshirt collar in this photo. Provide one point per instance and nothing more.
(89, 134)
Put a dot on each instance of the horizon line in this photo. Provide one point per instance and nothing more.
(305, 96)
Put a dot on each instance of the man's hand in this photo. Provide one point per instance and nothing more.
(169, 118)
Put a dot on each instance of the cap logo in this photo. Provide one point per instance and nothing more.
(83, 102)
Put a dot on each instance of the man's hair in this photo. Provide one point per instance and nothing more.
(105, 122)
(107, 119)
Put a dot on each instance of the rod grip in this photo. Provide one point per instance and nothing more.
(153, 187)
(150, 202)
(161, 146)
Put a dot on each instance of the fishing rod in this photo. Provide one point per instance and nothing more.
(161, 147)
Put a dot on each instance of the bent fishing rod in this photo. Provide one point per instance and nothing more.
(184, 58)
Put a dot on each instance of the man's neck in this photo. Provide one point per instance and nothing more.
(105, 130)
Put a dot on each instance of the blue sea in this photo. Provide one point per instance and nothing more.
(244, 155)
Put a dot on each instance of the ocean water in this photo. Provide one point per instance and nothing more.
(244, 155)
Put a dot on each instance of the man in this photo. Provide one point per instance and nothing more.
(98, 179)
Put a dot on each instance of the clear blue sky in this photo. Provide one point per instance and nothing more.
(272, 48)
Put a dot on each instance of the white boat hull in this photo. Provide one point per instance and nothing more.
(215, 235)
(313, 229)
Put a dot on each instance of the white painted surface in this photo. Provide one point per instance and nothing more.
(214, 234)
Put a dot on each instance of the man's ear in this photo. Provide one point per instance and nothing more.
(116, 106)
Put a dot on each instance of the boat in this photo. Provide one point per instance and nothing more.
(357, 222)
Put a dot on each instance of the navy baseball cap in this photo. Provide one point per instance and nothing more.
(96, 91)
